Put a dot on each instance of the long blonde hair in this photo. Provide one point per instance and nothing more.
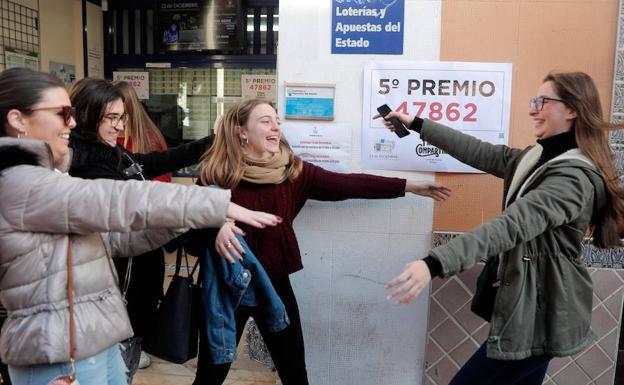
(223, 163)
(579, 92)
(140, 129)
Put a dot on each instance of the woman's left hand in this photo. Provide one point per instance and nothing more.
(227, 244)
(428, 189)
(414, 277)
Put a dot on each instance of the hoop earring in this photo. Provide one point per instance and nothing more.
(20, 136)
(246, 142)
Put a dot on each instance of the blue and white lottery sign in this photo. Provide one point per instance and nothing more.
(367, 26)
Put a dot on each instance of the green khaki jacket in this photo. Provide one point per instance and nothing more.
(544, 303)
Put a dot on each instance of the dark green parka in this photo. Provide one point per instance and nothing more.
(544, 303)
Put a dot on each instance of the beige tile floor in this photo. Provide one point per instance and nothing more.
(243, 372)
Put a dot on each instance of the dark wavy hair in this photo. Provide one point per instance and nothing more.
(90, 97)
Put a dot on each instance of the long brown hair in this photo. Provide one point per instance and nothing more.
(140, 129)
(223, 163)
(579, 92)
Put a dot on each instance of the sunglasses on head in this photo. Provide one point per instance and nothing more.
(66, 112)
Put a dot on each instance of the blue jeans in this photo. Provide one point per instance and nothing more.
(105, 368)
(481, 370)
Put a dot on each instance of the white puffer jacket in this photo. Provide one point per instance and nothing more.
(41, 210)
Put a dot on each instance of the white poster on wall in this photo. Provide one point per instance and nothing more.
(95, 63)
(259, 87)
(138, 80)
(474, 98)
(326, 145)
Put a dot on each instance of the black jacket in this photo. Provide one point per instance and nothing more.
(93, 159)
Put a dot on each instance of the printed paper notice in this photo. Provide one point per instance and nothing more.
(327, 145)
(138, 80)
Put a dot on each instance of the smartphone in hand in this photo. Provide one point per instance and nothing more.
(399, 128)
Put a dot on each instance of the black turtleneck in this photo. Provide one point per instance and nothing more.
(553, 146)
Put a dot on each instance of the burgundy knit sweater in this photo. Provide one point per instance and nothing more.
(277, 247)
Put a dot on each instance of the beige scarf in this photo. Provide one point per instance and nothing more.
(270, 170)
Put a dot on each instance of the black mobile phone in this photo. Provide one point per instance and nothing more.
(399, 128)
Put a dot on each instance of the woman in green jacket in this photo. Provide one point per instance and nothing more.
(554, 193)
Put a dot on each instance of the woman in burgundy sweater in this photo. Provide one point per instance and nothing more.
(250, 157)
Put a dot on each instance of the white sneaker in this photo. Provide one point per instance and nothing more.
(144, 361)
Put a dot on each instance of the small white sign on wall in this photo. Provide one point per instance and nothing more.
(138, 80)
(326, 145)
(474, 98)
(259, 87)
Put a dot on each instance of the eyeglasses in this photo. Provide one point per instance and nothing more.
(114, 119)
(537, 104)
(66, 112)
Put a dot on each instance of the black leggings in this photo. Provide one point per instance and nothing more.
(480, 370)
(286, 346)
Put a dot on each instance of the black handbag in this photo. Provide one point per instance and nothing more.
(487, 287)
(173, 335)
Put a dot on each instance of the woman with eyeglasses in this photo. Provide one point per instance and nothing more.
(102, 116)
(46, 216)
(145, 290)
(100, 121)
(535, 290)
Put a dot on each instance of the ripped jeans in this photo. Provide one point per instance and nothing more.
(105, 368)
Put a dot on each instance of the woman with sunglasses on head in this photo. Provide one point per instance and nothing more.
(251, 157)
(537, 292)
(48, 218)
(104, 112)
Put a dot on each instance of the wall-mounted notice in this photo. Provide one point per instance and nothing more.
(95, 63)
(471, 97)
(367, 27)
(18, 58)
(259, 87)
(326, 145)
(65, 72)
(138, 80)
(309, 101)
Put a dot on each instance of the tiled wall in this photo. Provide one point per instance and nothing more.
(455, 332)
(617, 101)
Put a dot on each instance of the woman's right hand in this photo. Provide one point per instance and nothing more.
(252, 218)
(227, 244)
(410, 283)
(404, 118)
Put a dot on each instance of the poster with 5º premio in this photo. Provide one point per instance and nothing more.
(474, 98)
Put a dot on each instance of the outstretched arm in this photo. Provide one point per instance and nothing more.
(554, 202)
(157, 163)
(250, 217)
(484, 156)
(325, 185)
(428, 189)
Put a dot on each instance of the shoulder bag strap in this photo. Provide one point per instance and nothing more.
(70, 298)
